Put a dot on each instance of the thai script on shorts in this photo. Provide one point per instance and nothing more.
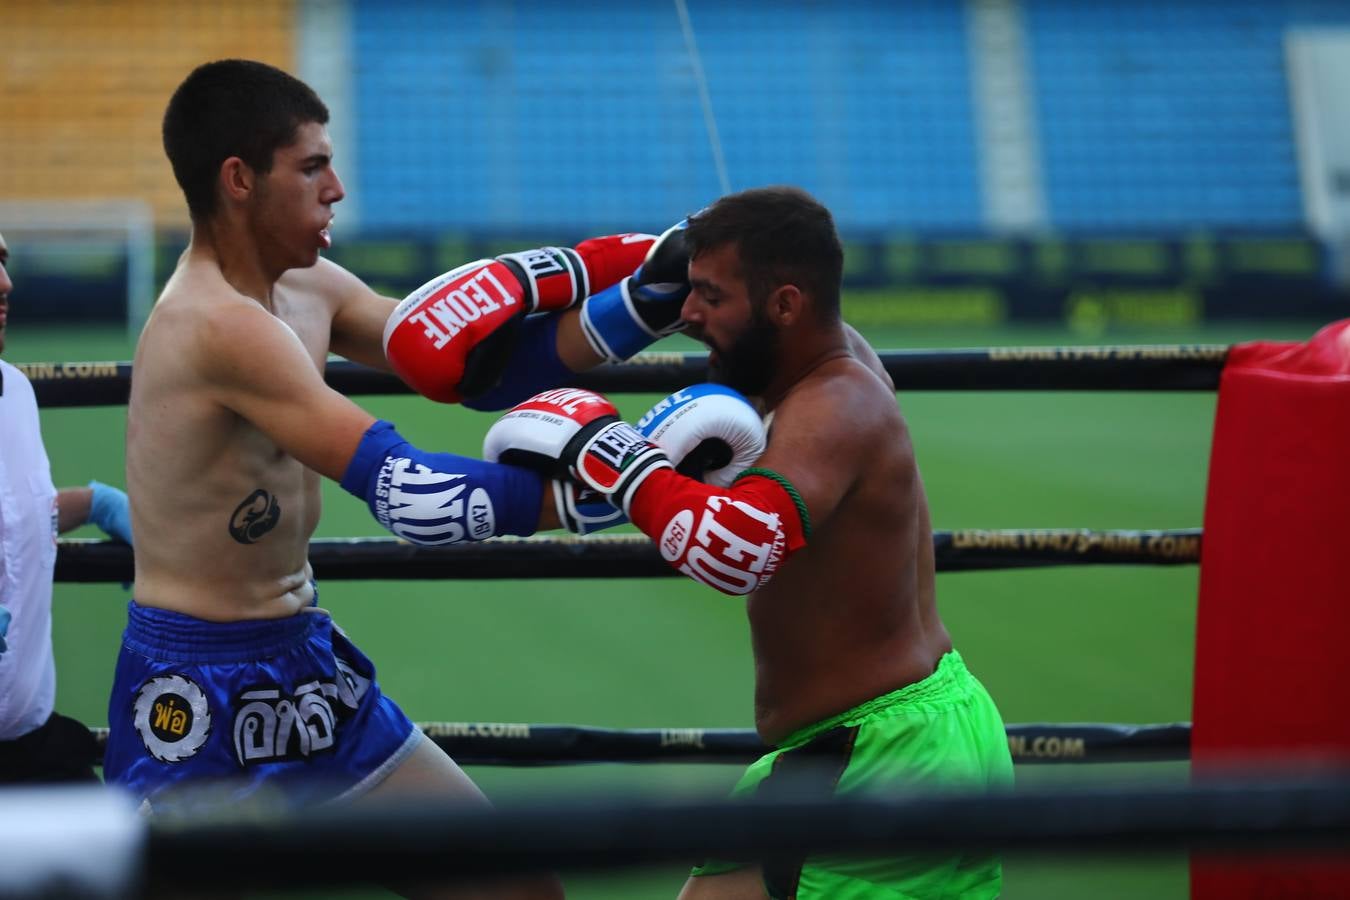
(271, 725)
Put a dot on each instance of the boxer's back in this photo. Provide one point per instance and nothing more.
(222, 515)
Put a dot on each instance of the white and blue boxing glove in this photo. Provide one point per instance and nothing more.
(710, 431)
(644, 307)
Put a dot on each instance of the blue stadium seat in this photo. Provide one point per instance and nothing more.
(1168, 115)
(581, 118)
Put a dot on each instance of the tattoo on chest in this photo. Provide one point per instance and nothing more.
(257, 515)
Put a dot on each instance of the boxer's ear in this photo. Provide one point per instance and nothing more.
(237, 179)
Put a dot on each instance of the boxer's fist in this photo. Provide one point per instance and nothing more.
(555, 278)
(711, 431)
(577, 436)
(536, 434)
(640, 309)
(452, 337)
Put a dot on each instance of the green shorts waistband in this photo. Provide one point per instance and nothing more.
(950, 672)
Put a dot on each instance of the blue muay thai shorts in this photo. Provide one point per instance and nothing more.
(224, 710)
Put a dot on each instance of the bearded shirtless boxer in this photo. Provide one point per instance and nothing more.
(828, 533)
(229, 670)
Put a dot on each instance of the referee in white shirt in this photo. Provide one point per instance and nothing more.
(36, 743)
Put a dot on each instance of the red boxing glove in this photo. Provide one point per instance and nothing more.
(452, 337)
(731, 539)
(608, 260)
(555, 278)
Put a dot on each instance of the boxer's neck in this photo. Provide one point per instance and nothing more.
(238, 256)
(803, 350)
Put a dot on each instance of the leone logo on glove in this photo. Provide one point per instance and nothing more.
(447, 305)
(610, 452)
(430, 507)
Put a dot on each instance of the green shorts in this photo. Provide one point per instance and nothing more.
(941, 732)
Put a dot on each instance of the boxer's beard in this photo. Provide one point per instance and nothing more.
(748, 364)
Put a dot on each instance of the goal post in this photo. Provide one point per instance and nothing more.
(72, 229)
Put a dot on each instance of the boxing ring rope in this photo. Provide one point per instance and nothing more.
(635, 556)
(426, 841)
(517, 744)
(412, 841)
(1162, 367)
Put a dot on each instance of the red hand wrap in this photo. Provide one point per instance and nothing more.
(732, 539)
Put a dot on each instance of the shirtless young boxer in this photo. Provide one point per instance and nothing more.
(856, 680)
(228, 669)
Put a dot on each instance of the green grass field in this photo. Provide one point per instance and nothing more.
(1108, 644)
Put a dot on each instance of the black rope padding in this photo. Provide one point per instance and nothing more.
(416, 840)
(634, 556)
(1163, 367)
(512, 744)
(1011, 548)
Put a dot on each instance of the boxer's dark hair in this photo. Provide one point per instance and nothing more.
(232, 107)
(783, 236)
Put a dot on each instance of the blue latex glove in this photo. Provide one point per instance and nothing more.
(110, 511)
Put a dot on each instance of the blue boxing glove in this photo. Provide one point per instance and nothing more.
(439, 498)
(644, 307)
(110, 511)
(4, 629)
